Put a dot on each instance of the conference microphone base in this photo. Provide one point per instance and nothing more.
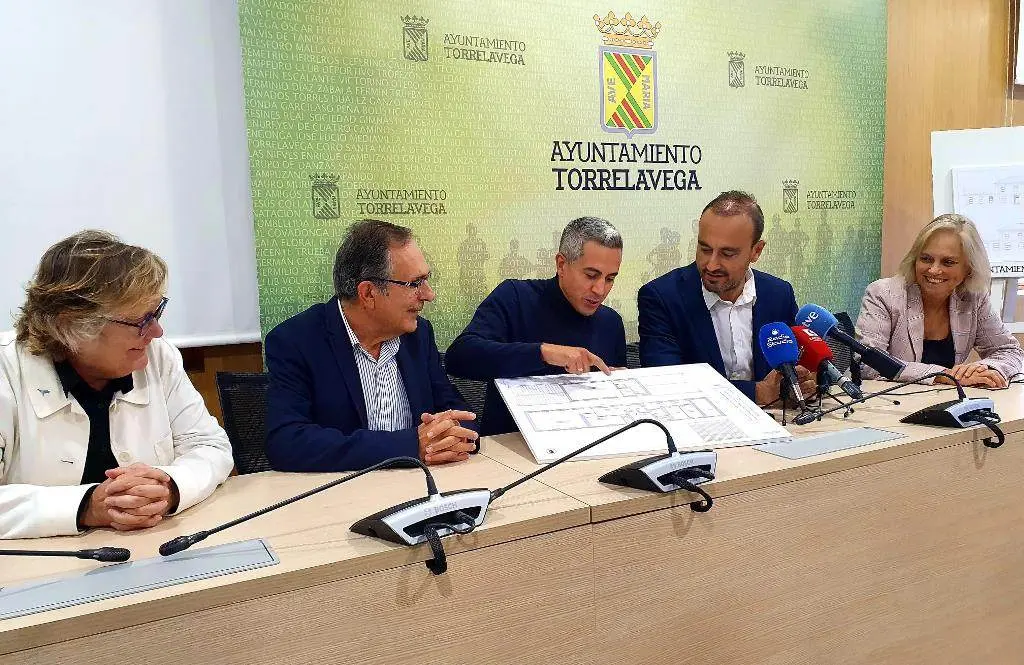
(668, 473)
(427, 520)
(966, 412)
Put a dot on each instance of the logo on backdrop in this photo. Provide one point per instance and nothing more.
(831, 199)
(790, 196)
(737, 72)
(326, 204)
(414, 38)
(629, 74)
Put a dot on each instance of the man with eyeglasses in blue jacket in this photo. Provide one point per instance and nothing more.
(358, 379)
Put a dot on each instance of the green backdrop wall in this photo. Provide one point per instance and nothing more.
(487, 126)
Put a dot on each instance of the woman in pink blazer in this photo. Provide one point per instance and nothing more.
(936, 310)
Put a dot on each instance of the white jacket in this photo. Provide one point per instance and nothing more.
(44, 438)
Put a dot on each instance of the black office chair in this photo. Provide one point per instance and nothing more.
(243, 401)
(632, 355)
(474, 392)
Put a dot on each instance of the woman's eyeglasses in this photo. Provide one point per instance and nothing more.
(147, 320)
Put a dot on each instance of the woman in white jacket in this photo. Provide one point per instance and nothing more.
(99, 423)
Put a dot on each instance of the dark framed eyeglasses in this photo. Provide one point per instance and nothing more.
(415, 284)
(147, 320)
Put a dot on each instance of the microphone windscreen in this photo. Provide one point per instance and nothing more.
(778, 344)
(178, 544)
(111, 554)
(813, 349)
(818, 319)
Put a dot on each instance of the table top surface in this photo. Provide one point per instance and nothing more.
(314, 544)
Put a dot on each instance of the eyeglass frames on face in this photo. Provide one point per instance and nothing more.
(148, 319)
(415, 284)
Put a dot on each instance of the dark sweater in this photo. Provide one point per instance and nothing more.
(503, 340)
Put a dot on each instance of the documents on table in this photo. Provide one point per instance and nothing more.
(559, 413)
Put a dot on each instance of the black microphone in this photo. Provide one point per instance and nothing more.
(180, 543)
(661, 473)
(821, 321)
(463, 510)
(105, 554)
(811, 416)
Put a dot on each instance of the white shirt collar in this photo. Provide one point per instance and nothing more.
(388, 347)
(351, 333)
(749, 294)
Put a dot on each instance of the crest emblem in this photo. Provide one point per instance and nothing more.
(326, 204)
(790, 196)
(737, 73)
(628, 69)
(414, 38)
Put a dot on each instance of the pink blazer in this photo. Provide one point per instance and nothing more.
(892, 319)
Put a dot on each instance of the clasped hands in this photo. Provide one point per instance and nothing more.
(975, 374)
(443, 439)
(132, 497)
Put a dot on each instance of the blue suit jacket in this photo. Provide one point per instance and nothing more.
(676, 327)
(316, 413)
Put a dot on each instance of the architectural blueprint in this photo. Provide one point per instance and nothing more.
(559, 413)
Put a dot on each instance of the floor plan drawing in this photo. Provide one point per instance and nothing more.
(559, 413)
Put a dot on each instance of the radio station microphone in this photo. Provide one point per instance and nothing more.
(181, 543)
(105, 554)
(781, 351)
(816, 357)
(821, 321)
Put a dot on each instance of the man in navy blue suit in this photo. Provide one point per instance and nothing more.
(358, 379)
(531, 327)
(711, 310)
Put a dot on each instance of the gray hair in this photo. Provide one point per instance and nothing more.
(579, 231)
(979, 274)
(363, 256)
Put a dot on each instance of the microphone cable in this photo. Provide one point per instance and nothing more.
(463, 524)
(683, 478)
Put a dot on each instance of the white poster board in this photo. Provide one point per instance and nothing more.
(963, 149)
(560, 413)
(129, 116)
(1019, 79)
(993, 198)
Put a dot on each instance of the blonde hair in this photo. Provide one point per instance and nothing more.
(979, 272)
(80, 282)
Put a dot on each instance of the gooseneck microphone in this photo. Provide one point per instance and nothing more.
(461, 511)
(822, 322)
(781, 351)
(181, 543)
(661, 473)
(669, 442)
(961, 412)
(816, 357)
(105, 554)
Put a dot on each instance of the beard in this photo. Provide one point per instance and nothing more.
(723, 284)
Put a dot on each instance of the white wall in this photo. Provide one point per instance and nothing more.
(128, 115)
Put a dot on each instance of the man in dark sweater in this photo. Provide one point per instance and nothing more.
(529, 327)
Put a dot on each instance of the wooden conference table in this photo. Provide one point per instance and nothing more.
(907, 551)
